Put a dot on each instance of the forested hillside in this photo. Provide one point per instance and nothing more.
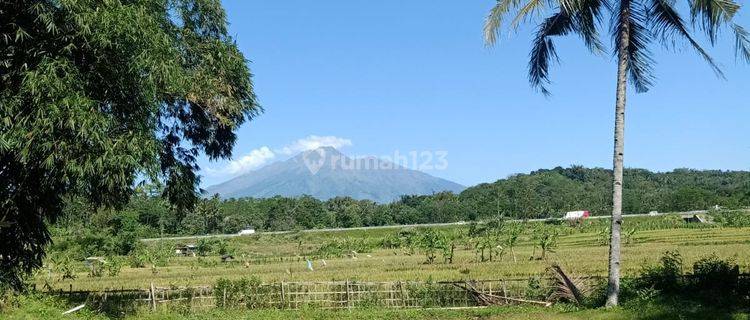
(546, 193)
(542, 193)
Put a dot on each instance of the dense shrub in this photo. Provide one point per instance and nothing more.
(732, 218)
(713, 277)
(247, 292)
(713, 281)
(667, 276)
(340, 246)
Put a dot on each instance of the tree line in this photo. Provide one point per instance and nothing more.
(539, 194)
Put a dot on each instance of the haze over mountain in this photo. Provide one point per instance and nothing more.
(325, 173)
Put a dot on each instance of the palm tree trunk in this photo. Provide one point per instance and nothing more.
(613, 288)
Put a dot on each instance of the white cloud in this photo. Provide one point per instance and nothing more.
(253, 160)
(313, 142)
(263, 155)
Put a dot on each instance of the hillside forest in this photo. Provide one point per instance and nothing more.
(539, 194)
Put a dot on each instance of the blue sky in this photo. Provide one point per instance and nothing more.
(378, 77)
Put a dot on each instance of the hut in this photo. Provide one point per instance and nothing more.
(695, 218)
(186, 250)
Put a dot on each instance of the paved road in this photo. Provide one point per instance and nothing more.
(401, 226)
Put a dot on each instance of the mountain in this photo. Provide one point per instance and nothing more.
(325, 173)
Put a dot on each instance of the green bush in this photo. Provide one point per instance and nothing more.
(713, 277)
(338, 247)
(665, 277)
(247, 292)
(113, 266)
(732, 218)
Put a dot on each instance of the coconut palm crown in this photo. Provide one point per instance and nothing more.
(645, 22)
(634, 26)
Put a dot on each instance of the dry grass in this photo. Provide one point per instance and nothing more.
(578, 253)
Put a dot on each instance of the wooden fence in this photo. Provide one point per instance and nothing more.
(295, 295)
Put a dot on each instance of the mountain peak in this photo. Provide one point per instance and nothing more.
(325, 173)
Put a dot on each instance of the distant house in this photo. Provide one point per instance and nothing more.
(186, 250)
(695, 218)
(576, 215)
(246, 231)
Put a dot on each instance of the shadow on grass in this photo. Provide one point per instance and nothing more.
(675, 308)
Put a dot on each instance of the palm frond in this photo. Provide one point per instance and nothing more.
(494, 20)
(543, 49)
(528, 9)
(587, 17)
(568, 288)
(639, 57)
(666, 22)
(741, 42)
(711, 14)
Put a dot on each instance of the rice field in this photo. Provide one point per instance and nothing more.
(277, 258)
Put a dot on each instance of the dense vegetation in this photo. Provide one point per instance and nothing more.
(96, 95)
(546, 193)
(707, 263)
(543, 193)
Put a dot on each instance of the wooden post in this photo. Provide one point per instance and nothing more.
(153, 297)
(391, 296)
(403, 297)
(505, 292)
(348, 295)
(224, 299)
(283, 296)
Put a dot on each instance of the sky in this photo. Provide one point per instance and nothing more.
(414, 78)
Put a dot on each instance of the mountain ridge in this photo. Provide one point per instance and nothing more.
(326, 173)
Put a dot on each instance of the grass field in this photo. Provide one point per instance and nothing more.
(579, 250)
(49, 308)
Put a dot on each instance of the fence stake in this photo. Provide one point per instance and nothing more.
(505, 292)
(224, 299)
(401, 288)
(283, 297)
(153, 297)
(348, 295)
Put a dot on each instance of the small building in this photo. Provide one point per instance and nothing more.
(246, 231)
(92, 261)
(186, 250)
(94, 264)
(576, 215)
(695, 218)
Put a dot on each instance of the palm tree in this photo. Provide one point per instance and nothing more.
(634, 26)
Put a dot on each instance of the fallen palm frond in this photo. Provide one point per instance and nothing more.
(486, 299)
(572, 289)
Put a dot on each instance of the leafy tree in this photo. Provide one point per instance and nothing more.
(449, 248)
(280, 213)
(205, 246)
(514, 231)
(431, 242)
(311, 213)
(96, 94)
(486, 237)
(635, 24)
(233, 223)
(208, 210)
(346, 212)
(545, 238)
